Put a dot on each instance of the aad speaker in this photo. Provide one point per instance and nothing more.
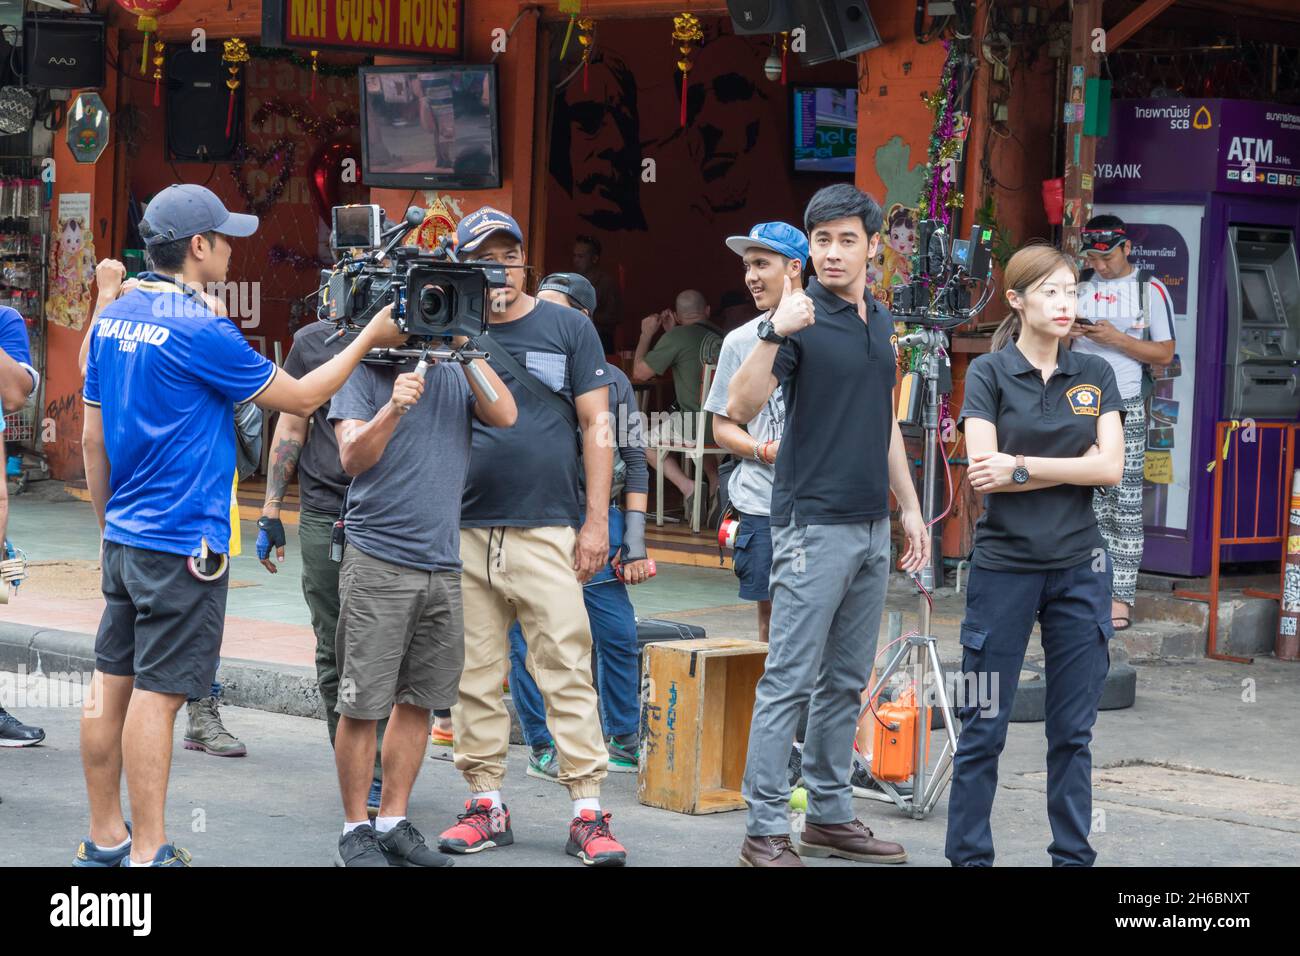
(763, 16)
(63, 52)
(837, 30)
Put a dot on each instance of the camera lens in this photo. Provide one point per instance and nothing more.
(433, 302)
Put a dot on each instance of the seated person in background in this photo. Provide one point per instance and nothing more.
(735, 309)
(689, 339)
(613, 620)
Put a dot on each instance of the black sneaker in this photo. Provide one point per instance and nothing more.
(360, 847)
(794, 768)
(404, 845)
(14, 733)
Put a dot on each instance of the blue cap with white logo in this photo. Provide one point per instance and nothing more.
(474, 229)
(779, 237)
(187, 209)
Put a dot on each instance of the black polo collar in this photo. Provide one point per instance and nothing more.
(1067, 363)
(828, 300)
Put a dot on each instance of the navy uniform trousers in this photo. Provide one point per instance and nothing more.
(1073, 608)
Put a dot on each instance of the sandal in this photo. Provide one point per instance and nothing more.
(1121, 623)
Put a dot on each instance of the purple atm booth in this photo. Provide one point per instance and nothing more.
(1210, 190)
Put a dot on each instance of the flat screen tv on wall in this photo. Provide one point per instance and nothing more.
(824, 128)
(430, 127)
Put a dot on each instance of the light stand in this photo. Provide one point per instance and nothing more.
(927, 785)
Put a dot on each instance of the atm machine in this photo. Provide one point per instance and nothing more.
(1210, 190)
(1262, 358)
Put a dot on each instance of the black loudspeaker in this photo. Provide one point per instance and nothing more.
(763, 16)
(197, 101)
(837, 30)
(63, 52)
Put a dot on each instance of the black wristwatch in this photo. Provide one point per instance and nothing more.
(768, 333)
(1021, 474)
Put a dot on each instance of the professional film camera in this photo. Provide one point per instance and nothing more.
(945, 276)
(435, 298)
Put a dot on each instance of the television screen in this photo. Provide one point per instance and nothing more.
(825, 124)
(430, 127)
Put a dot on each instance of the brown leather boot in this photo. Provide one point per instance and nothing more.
(768, 851)
(848, 841)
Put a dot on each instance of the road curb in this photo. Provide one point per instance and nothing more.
(277, 688)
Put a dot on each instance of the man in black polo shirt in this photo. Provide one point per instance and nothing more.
(841, 455)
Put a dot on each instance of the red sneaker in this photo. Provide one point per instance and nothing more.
(481, 826)
(592, 843)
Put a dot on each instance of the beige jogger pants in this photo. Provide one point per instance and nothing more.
(526, 573)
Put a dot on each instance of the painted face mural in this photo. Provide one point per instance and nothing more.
(596, 146)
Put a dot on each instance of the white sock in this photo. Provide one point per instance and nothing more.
(349, 827)
(492, 795)
(586, 803)
(119, 846)
(384, 824)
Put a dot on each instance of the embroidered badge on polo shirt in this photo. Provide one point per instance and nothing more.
(1084, 399)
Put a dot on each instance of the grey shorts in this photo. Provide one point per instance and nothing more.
(401, 637)
(161, 624)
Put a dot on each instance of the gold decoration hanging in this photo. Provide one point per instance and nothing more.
(158, 58)
(686, 33)
(234, 54)
(586, 28)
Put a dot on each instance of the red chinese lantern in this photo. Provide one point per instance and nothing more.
(147, 13)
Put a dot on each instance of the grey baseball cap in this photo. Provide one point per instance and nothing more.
(185, 210)
(576, 287)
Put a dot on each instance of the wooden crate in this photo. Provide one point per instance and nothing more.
(697, 723)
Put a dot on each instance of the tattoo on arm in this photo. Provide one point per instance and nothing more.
(284, 463)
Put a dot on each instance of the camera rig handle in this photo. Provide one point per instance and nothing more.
(465, 355)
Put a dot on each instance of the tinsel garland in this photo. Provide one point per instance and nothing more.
(940, 194)
(298, 260)
(306, 63)
(283, 148)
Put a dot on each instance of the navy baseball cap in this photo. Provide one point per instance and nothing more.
(185, 210)
(779, 237)
(576, 287)
(478, 225)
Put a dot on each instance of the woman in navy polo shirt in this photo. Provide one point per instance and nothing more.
(1043, 429)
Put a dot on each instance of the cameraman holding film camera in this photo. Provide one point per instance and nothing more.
(404, 435)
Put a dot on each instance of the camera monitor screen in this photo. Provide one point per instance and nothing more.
(430, 126)
(824, 123)
(357, 227)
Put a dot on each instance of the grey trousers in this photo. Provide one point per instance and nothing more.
(828, 593)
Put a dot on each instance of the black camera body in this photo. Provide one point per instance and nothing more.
(945, 274)
(431, 298)
(433, 295)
